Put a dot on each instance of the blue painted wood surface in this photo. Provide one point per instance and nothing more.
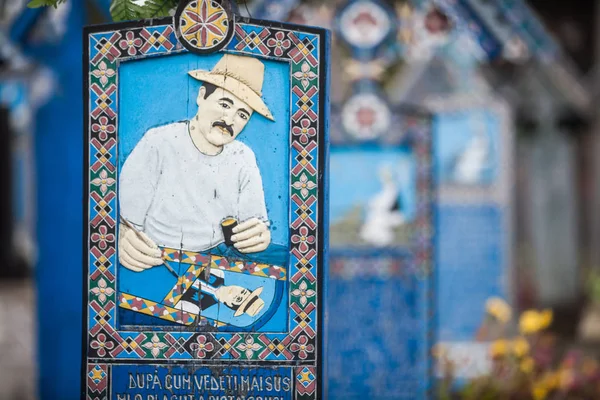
(291, 342)
(58, 143)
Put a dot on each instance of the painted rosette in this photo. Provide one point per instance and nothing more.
(365, 25)
(366, 116)
(204, 26)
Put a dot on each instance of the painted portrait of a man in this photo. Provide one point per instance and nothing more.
(183, 179)
(186, 183)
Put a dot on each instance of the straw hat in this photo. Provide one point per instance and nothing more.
(242, 76)
(251, 305)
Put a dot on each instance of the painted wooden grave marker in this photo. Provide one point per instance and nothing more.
(381, 225)
(207, 197)
(381, 251)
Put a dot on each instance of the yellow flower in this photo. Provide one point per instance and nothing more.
(498, 309)
(539, 392)
(545, 385)
(545, 318)
(520, 346)
(499, 348)
(532, 321)
(552, 380)
(527, 365)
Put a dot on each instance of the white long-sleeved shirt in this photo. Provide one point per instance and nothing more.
(179, 196)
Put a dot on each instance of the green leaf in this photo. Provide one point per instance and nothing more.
(43, 3)
(125, 10)
(158, 8)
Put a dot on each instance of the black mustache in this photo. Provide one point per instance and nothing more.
(223, 125)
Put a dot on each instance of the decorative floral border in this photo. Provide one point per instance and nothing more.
(303, 49)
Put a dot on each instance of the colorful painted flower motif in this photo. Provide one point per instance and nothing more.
(155, 346)
(499, 309)
(102, 237)
(302, 347)
(532, 321)
(130, 43)
(103, 181)
(103, 73)
(248, 346)
(102, 290)
(303, 293)
(280, 43)
(201, 347)
(304, 131)
(305, 75)
(304, 185)
(101, 345)
(303, 239)
(103, 128)
(204, 23)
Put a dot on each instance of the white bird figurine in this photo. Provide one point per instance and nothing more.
(383, 212)
(473, 160)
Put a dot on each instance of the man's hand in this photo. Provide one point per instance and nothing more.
(137, 251)
(251, 236)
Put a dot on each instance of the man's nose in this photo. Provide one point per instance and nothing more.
(228, 117)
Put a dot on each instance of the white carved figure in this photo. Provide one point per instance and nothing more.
(384, 212)
(474, 159)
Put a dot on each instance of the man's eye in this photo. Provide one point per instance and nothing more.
(225, 105)
(243, 116)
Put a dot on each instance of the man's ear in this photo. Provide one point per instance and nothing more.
(201, 94)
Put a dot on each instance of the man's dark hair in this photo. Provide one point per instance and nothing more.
(210, 89)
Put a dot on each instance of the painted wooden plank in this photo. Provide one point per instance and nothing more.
(206, 214)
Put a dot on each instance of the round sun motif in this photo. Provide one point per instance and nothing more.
(204, 24)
